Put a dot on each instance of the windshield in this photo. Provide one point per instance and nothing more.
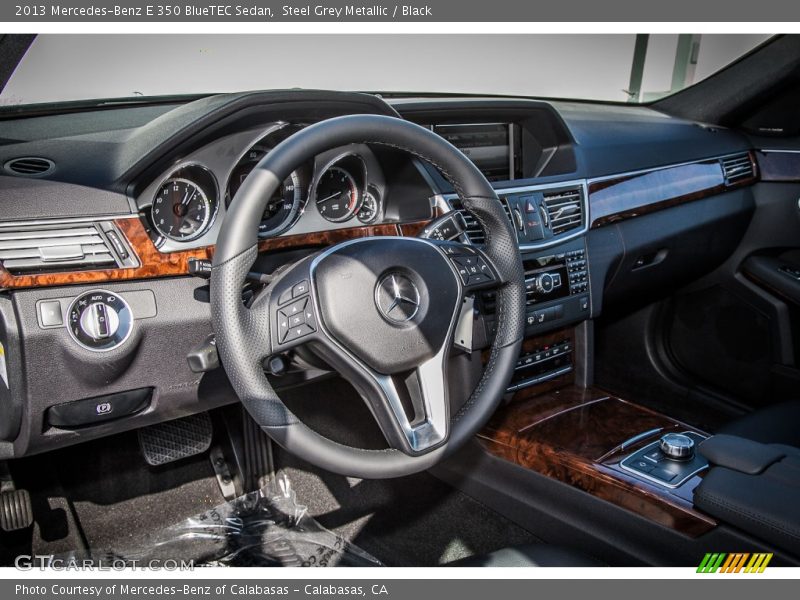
(619, 68)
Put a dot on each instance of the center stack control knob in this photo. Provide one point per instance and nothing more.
(677, 446)
(99, 320)
(545, 283)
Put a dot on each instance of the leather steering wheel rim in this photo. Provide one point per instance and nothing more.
(240, 331)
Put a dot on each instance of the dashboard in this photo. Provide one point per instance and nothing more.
(608, 202)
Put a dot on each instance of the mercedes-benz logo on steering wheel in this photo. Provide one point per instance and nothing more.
(397, 298)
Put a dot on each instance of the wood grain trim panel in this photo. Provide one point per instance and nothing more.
(574, 435)
(629, 196)
(779, 166)
(153, 263)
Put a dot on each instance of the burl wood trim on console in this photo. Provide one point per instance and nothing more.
(574, 435)
(628, 196)
(153, 263)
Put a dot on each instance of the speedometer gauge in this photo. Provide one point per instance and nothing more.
(337, 195)
(281, 208)
(181, 210)
(285, 205)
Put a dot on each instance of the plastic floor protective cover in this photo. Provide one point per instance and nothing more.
(264, 528)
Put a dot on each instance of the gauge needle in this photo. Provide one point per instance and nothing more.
(334, 195)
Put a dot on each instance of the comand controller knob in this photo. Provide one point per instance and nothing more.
(677, 446)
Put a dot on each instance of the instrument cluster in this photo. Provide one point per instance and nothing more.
(335, 188)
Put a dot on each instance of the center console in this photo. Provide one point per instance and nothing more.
(554, 422)
(608, 447)
(550, 222)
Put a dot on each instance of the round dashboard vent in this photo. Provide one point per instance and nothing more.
(30, 166)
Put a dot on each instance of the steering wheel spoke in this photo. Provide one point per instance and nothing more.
(411, 407)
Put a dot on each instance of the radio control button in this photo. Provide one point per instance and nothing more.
(545, 283)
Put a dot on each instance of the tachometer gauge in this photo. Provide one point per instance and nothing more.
(181, 210)
(370, 207)
(337, 195)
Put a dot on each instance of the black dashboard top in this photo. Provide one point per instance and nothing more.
(122, 151)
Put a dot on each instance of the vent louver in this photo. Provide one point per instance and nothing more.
(38, 248)
(30, 166)
(737, 168)
(564, 209)
(474, 231)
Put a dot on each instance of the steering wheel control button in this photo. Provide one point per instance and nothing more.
(285, 297)
(452, 249)
(296, 320)
(472, 268)
(296, 308)
(297, 332)
(283, 326)
(463, 272)
(677, 446)
(99, 320)
(300, 289)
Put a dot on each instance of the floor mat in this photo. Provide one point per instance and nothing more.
(266, 528)
(119, 500)
(410, 521)
(102, 496)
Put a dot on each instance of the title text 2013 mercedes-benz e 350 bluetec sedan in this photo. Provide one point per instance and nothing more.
(359, 328)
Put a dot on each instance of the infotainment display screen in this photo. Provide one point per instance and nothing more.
(491, 146)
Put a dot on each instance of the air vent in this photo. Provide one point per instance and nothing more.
(41, 248)
(474, 231)
(737, 168)
(30, 166)
(564, 209)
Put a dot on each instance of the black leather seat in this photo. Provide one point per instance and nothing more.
(530, 555)
(754, 482)
(778, 424)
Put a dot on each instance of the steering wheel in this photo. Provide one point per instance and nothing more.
(379, 310)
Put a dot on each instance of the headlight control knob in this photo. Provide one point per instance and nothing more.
(677, 446)
(99, 320)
